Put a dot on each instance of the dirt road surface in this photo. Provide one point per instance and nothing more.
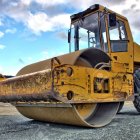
(14, 126)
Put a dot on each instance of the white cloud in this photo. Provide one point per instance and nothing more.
(26, 2)
(62, 21)
(40, 22)
(81, 4)
(1, 34)
(44, 3)
(2, 46)
(52, 2)
(12, 31)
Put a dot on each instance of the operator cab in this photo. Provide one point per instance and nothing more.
(89, 29)
(101, 28)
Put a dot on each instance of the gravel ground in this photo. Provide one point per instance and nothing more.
(14, 126)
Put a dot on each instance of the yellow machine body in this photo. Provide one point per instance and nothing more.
(73, 88)
(136, 54)
(95, 88)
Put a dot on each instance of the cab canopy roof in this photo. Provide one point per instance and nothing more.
(92, 9)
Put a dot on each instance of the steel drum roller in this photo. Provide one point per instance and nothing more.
(85, 114)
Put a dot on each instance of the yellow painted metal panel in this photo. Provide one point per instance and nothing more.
(136, 53)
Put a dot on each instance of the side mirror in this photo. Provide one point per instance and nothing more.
(112, 20)
(69, 35)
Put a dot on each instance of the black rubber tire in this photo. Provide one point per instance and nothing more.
(120, 107)
(136, 101)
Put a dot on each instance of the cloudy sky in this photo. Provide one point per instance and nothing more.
(34, 30)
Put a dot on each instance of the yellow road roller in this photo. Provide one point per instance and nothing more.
(87, 86)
